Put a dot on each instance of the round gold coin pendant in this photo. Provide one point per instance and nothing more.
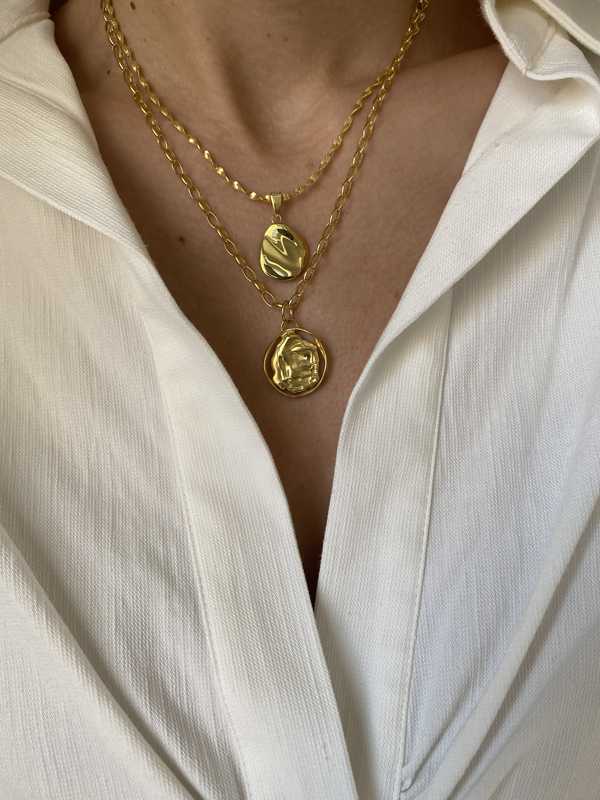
(295, 362)
(282, 253)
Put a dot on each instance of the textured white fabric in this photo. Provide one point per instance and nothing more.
(157, 637)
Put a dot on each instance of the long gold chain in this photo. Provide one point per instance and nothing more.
(287, 306)
(110, 17)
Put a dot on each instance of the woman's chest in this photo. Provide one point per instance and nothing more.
(398, 195)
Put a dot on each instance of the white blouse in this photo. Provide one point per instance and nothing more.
(158, 641)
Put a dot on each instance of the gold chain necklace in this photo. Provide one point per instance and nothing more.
(283, 251)
(295, 362)
(109, 13)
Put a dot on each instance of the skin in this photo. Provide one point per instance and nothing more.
(265, 85)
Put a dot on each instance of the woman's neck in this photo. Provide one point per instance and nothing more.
(276, 68)
(254, 46)
(275, 42)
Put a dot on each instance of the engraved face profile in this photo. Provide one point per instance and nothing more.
(295, 363)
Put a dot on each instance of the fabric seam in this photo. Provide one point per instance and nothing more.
(424, 548)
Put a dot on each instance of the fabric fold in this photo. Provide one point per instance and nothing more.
(66, 715)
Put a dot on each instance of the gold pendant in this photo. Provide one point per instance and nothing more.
(283, 251)
(294, 364)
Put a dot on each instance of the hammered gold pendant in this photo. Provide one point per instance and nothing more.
(282, 253)
(295, 362)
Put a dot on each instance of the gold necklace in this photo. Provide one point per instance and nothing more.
(283, 251)
(295, 362)
(193, 140)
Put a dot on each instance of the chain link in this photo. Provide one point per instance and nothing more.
(122, 53)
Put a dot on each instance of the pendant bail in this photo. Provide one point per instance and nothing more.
(276, 202)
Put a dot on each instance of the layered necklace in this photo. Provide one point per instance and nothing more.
(295, 362)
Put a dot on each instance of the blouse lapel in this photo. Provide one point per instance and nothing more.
(264, 640)
(263, 637)
(376, 540)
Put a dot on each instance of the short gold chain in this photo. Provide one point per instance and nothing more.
(109, 15)
(287, 306)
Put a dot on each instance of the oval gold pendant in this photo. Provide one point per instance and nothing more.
(282, 253)
(295, 362)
